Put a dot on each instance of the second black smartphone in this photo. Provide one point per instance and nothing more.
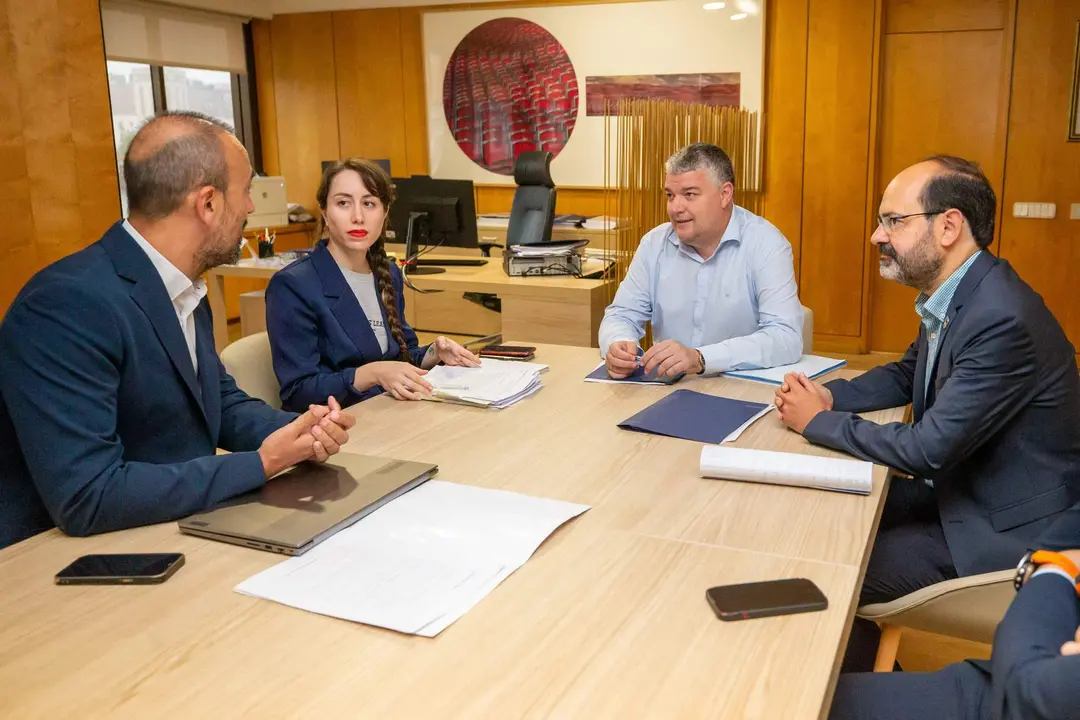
(763, 599)
(134, 569)
(508, 352)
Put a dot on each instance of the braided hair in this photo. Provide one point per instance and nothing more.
(378, 183)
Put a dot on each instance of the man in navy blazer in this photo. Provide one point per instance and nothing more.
(994, 446)
(1033, 672)
(112, 399)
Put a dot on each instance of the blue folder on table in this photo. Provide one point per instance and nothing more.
(694, 416)
(639, 377)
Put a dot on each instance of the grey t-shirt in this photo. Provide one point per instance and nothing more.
(363, 287)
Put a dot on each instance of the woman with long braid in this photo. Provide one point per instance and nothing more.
(336, 318)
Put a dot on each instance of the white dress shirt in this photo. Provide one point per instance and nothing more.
(184, 294)
(740, 307)
(1054, 570)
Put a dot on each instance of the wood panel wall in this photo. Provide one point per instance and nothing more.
(59, 189)
(944, 72)
(305, 99)
(786, 38)
(1041, 165)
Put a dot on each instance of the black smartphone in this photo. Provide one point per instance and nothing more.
(138, 569)
(763, 599)
(508, 352)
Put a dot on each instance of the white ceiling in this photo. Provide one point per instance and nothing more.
(268, 8)
(290, 6)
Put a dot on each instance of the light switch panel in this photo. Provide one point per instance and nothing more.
(1034, 210)
(1074, 211)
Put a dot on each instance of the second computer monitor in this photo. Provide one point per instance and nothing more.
(444, 210)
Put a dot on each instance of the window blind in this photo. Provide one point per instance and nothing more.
(166, 35)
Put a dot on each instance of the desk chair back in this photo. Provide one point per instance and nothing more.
(968, 607)
(248, 361)
(533, 209)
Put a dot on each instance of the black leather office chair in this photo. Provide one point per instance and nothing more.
(533, 209)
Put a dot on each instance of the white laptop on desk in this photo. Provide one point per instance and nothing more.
(298, 509)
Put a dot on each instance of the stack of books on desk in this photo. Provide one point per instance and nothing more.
(495, 384)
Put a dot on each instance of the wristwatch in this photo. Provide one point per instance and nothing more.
(701, 359)
(1044, 557)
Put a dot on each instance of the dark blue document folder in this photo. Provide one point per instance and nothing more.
(639, 376)
(693, 416)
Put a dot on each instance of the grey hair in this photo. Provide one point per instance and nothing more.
(703, 156)
(158, 182)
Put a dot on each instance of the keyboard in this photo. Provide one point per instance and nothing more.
(451, 262)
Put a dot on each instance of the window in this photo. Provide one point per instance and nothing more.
(137, 91)
(132, 96)
(207, 91)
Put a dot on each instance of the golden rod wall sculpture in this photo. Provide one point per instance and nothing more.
(640, 135)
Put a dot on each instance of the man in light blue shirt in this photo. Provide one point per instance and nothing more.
(717, 282)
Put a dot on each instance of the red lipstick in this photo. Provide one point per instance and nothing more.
(358, 234)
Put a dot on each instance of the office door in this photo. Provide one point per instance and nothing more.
(943, 91)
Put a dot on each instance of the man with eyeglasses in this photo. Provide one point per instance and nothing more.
(993, 449)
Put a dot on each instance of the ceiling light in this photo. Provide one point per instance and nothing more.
(713, 6)
(738, 16)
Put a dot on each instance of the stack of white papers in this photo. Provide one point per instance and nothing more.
(811, 366)
(779, 468)
(554, 248)
(493, 220)
(496, 383)
(418, 563)
(600, 222)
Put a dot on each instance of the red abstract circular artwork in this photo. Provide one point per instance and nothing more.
(509, 87)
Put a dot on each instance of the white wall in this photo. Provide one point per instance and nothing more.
(670, 36)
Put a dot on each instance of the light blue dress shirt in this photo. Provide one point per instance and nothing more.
(933, 309)
(740, 307)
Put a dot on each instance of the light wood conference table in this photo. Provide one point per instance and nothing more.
(607, 620)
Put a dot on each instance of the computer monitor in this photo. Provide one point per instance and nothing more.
(442, 213)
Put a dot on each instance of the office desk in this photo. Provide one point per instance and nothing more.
(290, 237)
(607, 620)
(558, 310)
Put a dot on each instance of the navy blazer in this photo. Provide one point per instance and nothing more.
(998, 432)
(104, 424)
(1027, 677)
(319, 334)
(1032, 680)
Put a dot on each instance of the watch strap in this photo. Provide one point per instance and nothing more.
(1045, 557)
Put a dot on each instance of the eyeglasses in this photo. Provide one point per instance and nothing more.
(894, 222)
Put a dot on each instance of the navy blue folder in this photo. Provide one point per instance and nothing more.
(693, 416)
(639, 376)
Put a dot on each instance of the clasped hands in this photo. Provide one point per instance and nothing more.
(667, 358)
(316, 435)
(799, 399)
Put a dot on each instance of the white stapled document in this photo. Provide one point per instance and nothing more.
(420, 562)
(811, 366)
(496, 383)
(780, 468)
(734, 434)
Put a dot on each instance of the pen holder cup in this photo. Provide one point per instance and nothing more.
(266, 249)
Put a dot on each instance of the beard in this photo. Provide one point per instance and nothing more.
(223, 247)
(918, 268)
